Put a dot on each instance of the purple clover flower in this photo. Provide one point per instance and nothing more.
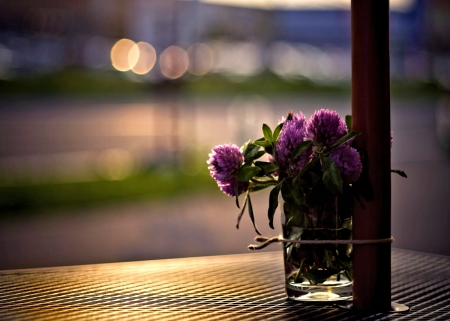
(325, 127)
(348, 163)
(225, 161)
(292, 134)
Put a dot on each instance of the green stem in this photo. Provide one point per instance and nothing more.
(298, 275)
(341, 266)
(348, 276)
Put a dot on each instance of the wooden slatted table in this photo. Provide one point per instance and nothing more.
(230, 287)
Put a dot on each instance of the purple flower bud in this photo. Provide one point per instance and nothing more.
(348, 163)
(225, 161)
(325, 127)
(292, 134)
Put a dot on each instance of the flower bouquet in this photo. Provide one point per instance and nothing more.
(313, 171)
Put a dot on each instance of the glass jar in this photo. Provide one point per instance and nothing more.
(317, 272)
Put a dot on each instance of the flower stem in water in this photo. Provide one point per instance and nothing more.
(297, 277)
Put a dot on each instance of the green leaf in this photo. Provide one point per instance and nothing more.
(341, 141)
(250, 213)
(267, 167)
(303, 146)
(276, 132)
(262, 183)
(262, 142)
(318, 276)
(305, 169)
(264, 180)
(348, 122)
(242, 211)
(296, 216)
(247, 172)
(257, 155)
(314, 177)
(347, 224)
(269, 150)
(298, 275)
(292, 193)
(399, 172)
(329, 262)
(273, 203)
(250, 151)
(331, 176)
(267, 133)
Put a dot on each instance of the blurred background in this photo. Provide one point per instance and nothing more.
(109, 108)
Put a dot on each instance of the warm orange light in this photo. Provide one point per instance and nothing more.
(147, 58)
(173, 62)
(124, 54)
(200, 59)
(133, 56)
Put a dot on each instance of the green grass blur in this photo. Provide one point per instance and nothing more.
(154, 184)
(82, 82)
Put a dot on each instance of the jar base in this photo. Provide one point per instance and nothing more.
(329, 291)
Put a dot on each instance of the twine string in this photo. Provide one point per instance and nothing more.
(265, 241)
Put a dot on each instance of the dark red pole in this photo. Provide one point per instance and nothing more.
(371, 116)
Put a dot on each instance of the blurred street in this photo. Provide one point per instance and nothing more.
(68, 140)
(141, 230)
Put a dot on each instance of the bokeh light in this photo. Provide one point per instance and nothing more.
(237, 60)
(124, 54)
(284, 59)
(127, 55)
(133, 56)
(174, 62)
(300, 60)
(146, 58)
(200, 59)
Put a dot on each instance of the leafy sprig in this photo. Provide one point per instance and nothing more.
(315, 199)
(318, 182)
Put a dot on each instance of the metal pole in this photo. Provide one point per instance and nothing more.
(371, 116)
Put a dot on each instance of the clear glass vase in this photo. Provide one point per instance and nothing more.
(317, 272)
